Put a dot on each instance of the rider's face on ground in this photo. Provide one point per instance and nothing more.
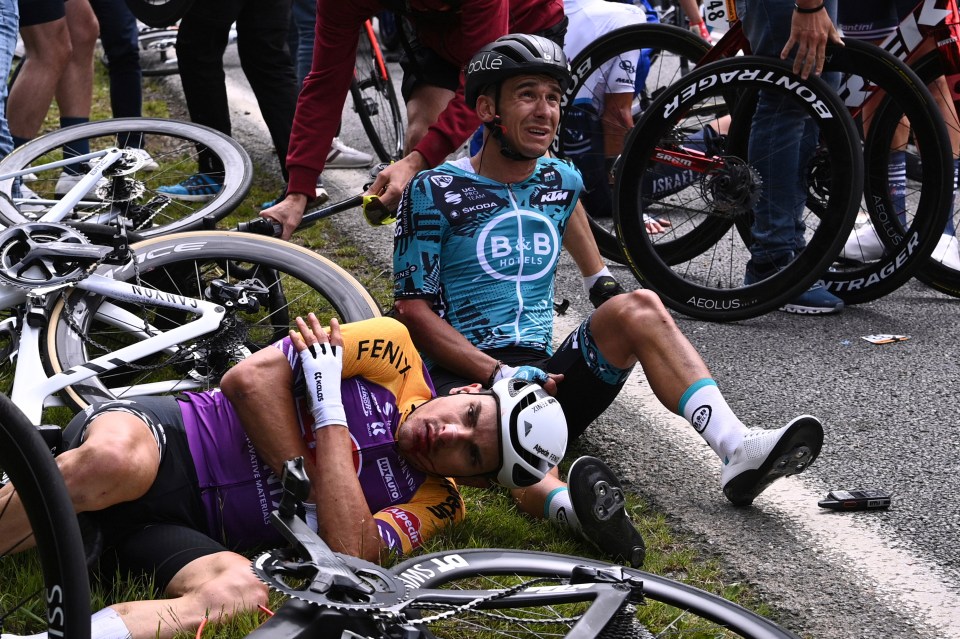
(453, 436)
(530, 112)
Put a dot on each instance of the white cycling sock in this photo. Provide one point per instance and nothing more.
(704, 407)
(104, 624)
(108, 624)
(559, 509)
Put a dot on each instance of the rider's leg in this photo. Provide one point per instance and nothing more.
(117, 462)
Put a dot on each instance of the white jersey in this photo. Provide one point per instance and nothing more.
(589, 20)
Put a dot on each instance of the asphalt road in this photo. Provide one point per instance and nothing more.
(891, 422)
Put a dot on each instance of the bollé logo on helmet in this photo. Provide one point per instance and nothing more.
(486, 62)
(518, 246)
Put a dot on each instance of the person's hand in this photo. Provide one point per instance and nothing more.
(809, 35)
(533, 374)
(655, 225)
(390, 182)
(322, 360)
(288, 212)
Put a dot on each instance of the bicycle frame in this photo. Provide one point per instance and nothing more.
(32, 388)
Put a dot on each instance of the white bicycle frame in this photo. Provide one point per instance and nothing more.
(33, 390)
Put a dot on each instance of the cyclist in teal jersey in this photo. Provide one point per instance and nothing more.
(172, 489)
(475, 254)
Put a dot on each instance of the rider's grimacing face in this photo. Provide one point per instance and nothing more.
(453, 436)
(529, 110)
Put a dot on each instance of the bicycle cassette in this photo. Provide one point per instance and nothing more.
(38, 254)
(282, 570)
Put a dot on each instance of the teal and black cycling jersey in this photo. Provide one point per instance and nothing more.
(484, 252)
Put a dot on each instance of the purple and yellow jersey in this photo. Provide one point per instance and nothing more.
(383, 380)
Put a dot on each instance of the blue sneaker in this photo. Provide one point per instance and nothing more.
(816, 300)
(196, 188)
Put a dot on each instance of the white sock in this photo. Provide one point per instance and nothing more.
(104, 624)
(108, 624)
(559, 510)
(704, 407)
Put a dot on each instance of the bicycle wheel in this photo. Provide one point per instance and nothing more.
(375, 99)
(941, 273)
(158, 52)
(557, 603)
(907, 215)
(45, 588)
(665, 54)
(264, 283)
(131, 193)
(710, 284)
(159, 13)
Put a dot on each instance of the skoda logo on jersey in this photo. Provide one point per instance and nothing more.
(518, 246)
(443, 181)
(452, 197)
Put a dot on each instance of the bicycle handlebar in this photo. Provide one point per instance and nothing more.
(374, 212)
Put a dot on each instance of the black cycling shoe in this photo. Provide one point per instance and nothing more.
(599, 504)
(604, 289)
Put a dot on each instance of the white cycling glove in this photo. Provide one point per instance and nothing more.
(322, 368)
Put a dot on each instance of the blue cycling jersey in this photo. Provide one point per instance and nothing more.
(483, 252)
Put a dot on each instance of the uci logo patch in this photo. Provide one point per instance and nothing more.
(701, 418)
(518, 246)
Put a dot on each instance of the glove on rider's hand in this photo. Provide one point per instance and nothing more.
(322, 368)
(603, 289)
(526, 373)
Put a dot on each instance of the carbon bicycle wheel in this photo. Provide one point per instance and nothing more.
(375, 99)
(482, 591)
(159, 13)
(263, 283)
(45, 588)
(172, 150)
(941, 271)
(158, 52)
(710, 285)
(666, 54)
(907, 213)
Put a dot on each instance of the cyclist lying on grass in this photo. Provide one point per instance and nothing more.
(172, 487)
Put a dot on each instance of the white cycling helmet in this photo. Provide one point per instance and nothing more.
(533, 432)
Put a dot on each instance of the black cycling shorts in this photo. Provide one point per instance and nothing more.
(163, 531)
(427, 67)
(33, 12)
(873, 18)
(582, 394)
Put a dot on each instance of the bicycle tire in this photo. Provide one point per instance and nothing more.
(933, 273)
(298, 281)
(63, 598)
(375, 99)
(675, 52)
(927, 205)
(678, 610)
(172, 144)
(159, 13)
(710, 285)
(158, 52)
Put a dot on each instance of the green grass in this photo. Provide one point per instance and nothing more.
(493, 520)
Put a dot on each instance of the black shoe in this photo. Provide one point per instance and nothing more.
(598, 502)
(603, 289)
